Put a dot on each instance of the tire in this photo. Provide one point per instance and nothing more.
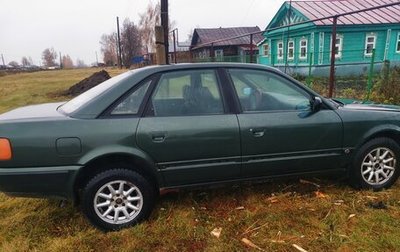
(108, 209)
(376, 164)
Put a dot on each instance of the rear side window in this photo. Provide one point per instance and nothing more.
(189, 92)
(131, 104)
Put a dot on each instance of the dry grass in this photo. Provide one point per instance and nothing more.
(272, 215)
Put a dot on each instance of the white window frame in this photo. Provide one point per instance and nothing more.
(338, 55)
(371, 35)
(219, 53)
(279, 50)
(303, 46)
(266, 49)
(291, 47)
(398, 43)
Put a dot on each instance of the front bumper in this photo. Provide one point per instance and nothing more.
(39, 181)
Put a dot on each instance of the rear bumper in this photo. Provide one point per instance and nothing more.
(39, 181)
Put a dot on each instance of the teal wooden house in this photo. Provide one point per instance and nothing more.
(361, 37)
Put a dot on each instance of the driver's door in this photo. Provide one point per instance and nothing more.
(279, 132)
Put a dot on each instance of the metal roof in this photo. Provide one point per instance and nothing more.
(319, 9)
(208, 35)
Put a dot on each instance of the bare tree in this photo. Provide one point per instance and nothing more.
(148, 20)
(25, 61)
(131, 42)
(108, 44)
(49, 57)
(67, 61)
(80, 63)
(147, 23)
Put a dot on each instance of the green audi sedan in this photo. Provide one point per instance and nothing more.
(114, 147)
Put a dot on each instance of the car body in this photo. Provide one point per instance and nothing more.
(172, 126)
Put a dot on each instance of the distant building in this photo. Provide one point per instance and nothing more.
(182, 52)
(309, 44)
(236, 49)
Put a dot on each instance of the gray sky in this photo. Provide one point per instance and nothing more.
(74, 27)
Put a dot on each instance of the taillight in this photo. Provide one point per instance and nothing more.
(5, 149)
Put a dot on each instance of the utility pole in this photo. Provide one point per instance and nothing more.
(97, 59)
(119, 46)
(165, 25)
(61, 66)
(2, 58)
(175, 60)
(333, 56)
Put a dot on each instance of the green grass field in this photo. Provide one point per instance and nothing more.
(316, 214)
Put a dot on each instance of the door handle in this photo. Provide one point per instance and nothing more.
(158, 137)
(257, 132)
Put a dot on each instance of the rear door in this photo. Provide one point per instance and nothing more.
(187, 129)
(280, 134)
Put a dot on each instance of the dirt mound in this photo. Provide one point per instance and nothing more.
(88, 83)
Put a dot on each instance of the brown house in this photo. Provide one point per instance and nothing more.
(225, 44)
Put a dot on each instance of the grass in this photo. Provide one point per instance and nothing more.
(324, 215)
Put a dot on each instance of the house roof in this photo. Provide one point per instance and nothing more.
(208, 35)
(325, 8)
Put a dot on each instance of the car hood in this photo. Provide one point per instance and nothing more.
(373, 107)
(47, 110)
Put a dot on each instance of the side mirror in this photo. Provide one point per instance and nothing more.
(316, 104)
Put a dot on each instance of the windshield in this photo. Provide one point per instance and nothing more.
(84, 98)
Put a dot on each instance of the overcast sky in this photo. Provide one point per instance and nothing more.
(74, 27)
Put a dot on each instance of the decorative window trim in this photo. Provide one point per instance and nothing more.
(303, 46)
(291, 47)
(219, 53)
(339, 53)
(368, 36)
(279, 50)
(266, 50)
(398, 43)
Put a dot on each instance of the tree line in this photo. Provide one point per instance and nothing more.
(135, 39)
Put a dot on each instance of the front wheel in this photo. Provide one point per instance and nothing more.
(376, 164)
(117, 198)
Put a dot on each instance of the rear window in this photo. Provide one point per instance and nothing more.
(82, 99)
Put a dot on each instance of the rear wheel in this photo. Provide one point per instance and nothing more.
(117, 198)
(376, 164)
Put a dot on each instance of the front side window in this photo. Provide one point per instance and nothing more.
(291, 50)
(191, 92)
(370, 42)
(303, 49)
(261, 91)
(131, 104)
(280, 50)
(398, 43)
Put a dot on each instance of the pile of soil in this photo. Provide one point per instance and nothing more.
(86, 84)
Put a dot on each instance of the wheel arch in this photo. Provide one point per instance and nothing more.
(389, 131)
(141, 164)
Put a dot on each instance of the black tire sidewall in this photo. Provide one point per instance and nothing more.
(356, 176)
(105, 177)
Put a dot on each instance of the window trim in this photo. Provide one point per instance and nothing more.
(305, 46)
(279, 50)
(370, 35)
(266, 52)
(291, 48)
(340, 47)
(221, 52)
(397, 49)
